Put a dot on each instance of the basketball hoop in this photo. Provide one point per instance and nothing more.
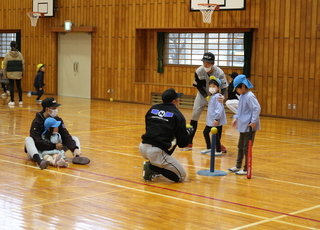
(207, 10)
(34, 17)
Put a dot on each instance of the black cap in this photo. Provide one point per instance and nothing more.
(169, 95)
(49, 102)
(233, 75)
(208, 57)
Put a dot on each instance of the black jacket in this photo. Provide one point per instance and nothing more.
(37, 128)
(231, 94)
(164, 122)
(39, 80)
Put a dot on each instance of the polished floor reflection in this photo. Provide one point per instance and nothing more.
(110, 193)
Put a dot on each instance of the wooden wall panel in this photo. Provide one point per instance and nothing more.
(285, 54)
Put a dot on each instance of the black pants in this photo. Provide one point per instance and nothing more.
(18, 84)
(207, 134)
(243, 149)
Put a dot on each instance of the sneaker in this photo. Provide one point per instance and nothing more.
(4, 95)
(8, 92)
(215, 153)
(206, 151)
(234, 169)
(29, 94)
(20, 102)
(223, 149)
(241, 172)
(38, 102)
(11, 103)
(62, 163)
(189, 147)
(44, 164)
(58, 157)
(147, 173)
(81, 160)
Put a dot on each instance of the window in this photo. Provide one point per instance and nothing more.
(5, 39)
(188, 48)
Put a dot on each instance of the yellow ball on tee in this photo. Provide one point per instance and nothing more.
(214, 130)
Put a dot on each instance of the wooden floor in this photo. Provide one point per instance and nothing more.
(109, 193)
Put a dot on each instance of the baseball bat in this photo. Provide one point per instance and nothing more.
(249, 156)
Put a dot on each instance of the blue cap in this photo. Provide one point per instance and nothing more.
(50, 122)
(241, 79)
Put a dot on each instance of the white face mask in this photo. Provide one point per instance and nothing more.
(212, 90)
(54, 133)
(207, 69)
(54, 112)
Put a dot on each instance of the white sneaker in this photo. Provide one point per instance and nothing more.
(241, 172)
(206, 151)
(4, 95)
(234, 169)
(20, 102)
(11, 103)
(215, 153)
(8, 92)
(38, 102)
(62, 163)
(29, 94)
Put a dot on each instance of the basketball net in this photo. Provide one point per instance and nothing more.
(34, 17)
(207, 10)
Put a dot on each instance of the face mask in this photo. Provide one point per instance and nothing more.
(207, 69)
(54, 112)
(212, 90)
(54, 133)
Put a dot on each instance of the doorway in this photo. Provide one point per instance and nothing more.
(74, 64)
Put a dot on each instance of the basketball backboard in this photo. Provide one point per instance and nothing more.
(43, 6)
(224, 4)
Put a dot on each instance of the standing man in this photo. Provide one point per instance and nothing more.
(13, 69)
(201, 82)
(165, 129)
(36, 143)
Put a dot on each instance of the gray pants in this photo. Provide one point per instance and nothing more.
(31, 147)
(161, 159)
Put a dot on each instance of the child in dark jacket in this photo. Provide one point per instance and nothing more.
(38, 83)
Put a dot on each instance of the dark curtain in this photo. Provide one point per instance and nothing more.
(248, 37)
(160, 51)
(18, 40)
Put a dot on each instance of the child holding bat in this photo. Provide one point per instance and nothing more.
(247, 115)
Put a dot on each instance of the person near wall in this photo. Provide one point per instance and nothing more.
(233, 98)
(13, 69)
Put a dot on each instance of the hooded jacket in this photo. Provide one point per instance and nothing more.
(13, 65)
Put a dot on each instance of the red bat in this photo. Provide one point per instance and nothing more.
(249, 157)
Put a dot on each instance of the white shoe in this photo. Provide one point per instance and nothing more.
(20, 102)
(11, 103)
(4, 95)
(62, 163)
(241, 172)
(8, 92)
(38, 102)
(29, 94)
(206, 151)
(215, 153)
(234, 169)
